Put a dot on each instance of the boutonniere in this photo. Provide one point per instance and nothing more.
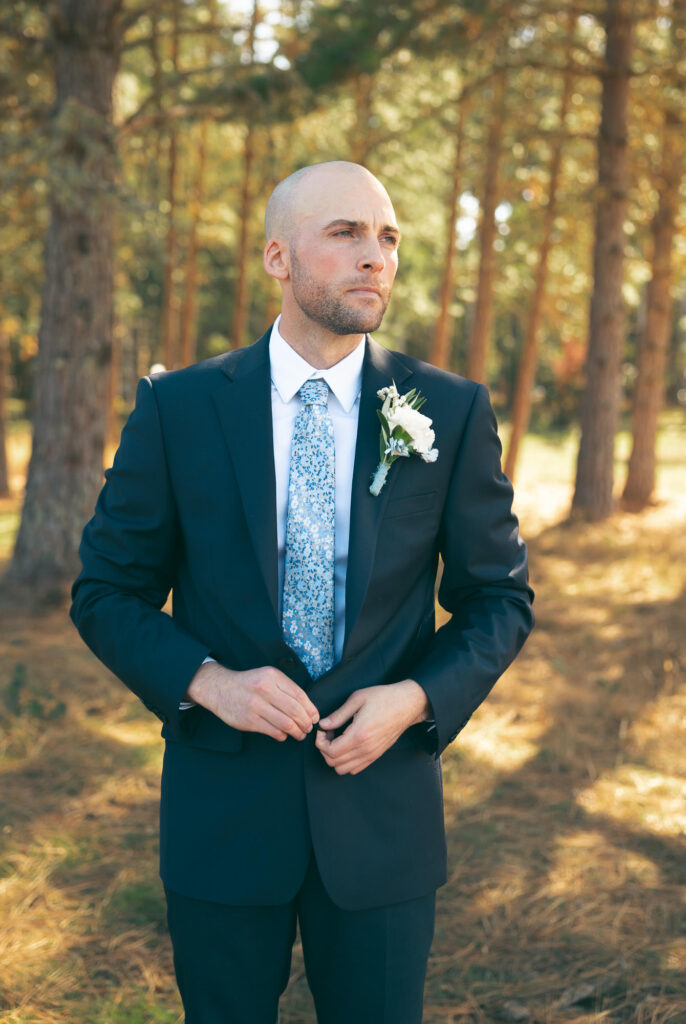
(405, 431)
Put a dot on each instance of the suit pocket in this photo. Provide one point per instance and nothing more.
(410, 505)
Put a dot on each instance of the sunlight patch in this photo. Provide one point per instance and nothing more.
(639, 797)
(505, 740)
(588, 858)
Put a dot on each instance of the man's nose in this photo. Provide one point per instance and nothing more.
(371, 257)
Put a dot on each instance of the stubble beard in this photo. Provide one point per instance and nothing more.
(331, 311)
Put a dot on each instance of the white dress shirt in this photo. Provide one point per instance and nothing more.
(289, 371)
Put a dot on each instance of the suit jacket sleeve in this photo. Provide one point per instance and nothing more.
(484, 584)
(129, 553)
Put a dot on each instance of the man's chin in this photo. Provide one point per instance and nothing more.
(346, 321)
(362, 323)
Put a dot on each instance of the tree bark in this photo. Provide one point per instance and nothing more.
(4, 367)
(170, 305)
(240, 310)
(112, 428)
(189, 333)
(521, 406)
(188, 327)
(440, 351)
(363, 91)
(480, 333)
(654, 343)
(600, 404)
(75, 336)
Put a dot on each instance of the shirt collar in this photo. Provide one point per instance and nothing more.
(289, 371)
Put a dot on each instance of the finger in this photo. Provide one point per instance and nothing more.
(351, 767)
(296, 692)
(343, 714)
(281, 721)
(349, 763)
(324, 739)
(267, 729)
(351, 741)
(293, 708)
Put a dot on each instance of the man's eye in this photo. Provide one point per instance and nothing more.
(343, 231)
(390, 239)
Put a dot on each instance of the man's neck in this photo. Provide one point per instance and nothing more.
(320, 348)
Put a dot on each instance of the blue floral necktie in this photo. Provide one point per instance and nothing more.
(308, 587)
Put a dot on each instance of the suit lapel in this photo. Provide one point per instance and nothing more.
(243, 404)
(380, 368)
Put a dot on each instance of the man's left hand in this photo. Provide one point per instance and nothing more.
(379, 715)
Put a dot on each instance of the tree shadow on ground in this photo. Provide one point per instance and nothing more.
(563, 806)
(565, 809)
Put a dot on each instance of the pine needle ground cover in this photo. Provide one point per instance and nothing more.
(565, 798)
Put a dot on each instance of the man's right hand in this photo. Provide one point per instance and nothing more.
(258, 700)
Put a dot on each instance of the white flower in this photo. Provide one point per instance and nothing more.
(404, 432)
(389, 392)
(415, 424)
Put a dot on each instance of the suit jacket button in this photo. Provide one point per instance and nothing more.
(287, 664)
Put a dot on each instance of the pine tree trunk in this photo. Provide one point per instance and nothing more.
(170, 305)
(279, 153)
(189, 334)
(521, 406)
(654, 343)
(112, 427)
(188, 325)
(240, 309)
(440, 351)
(4, 368)
(75, 336)
(362, 140)
(600, 405)
(480, 333)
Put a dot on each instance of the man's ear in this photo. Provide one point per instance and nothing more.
(276, 259)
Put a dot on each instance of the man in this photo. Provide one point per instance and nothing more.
(304, 692)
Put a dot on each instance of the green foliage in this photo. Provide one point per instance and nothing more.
(377, 82)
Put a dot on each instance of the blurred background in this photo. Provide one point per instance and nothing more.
(536, 157)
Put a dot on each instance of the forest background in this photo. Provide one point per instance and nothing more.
(535, 154)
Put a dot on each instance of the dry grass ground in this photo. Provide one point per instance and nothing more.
(565, 799)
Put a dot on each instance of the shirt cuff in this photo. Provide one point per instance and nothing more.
(186, 704)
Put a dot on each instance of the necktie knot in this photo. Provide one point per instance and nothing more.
(315, 392)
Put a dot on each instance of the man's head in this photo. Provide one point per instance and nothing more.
(332, 242)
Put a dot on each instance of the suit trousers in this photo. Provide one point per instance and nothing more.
(232, 963)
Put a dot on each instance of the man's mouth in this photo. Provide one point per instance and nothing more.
(366, 290)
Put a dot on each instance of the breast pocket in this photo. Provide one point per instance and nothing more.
(410, 505)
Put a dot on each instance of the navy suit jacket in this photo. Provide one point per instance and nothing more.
(189, 506)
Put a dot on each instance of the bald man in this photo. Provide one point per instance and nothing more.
(304, 692)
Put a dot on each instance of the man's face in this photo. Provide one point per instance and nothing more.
(343, 255)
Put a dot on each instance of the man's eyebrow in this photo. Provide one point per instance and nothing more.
(342, 222)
